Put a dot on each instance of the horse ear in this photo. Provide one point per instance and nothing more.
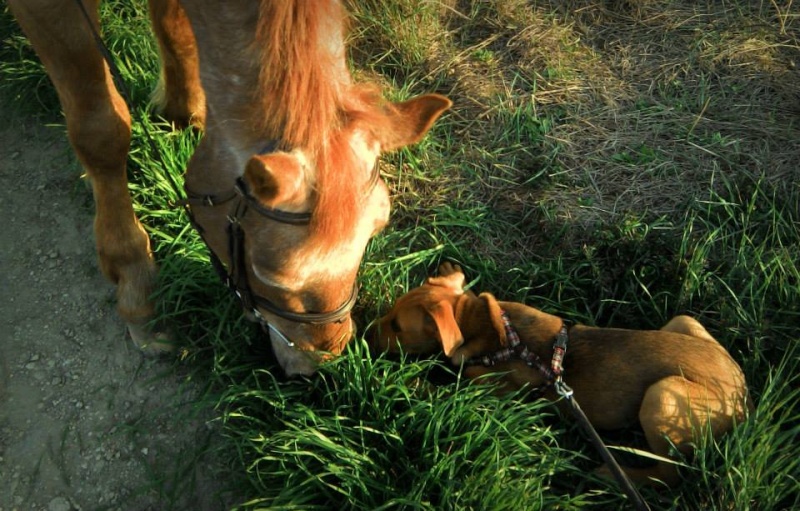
(410, 120)
(276, 178)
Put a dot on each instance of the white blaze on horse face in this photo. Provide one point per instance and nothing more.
(312, 266)
(308, 268)
(367, 152)
(377, 204)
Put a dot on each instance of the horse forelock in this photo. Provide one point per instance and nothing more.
(336, 207)
(302, 73)
(343, 177)
(305, 98)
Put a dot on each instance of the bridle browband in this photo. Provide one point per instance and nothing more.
(234, 276)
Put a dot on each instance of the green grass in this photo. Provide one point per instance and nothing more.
(374, 434)
(615, 164)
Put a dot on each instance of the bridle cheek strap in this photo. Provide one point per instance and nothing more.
(235, 275)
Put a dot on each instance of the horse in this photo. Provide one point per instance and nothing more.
(283, 186)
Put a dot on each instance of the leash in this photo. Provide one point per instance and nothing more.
(637, 501)
(553, 376)
(564, 390)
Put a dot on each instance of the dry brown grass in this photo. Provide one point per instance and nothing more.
(699, 86)
(584, 114)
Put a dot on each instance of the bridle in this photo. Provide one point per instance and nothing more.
(234, 276)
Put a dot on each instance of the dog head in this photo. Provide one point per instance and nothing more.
(440, 315)
(424, 319)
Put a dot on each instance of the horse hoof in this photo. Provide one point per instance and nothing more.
(151, 341)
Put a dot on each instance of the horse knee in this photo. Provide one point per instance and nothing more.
(99, 130)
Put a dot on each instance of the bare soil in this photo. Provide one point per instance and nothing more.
(86, 422)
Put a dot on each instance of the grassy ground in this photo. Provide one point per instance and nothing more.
(614, 162)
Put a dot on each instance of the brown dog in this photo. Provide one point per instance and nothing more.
(678, 382)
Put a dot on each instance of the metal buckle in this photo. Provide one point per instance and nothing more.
(280, 334)
(562, 389)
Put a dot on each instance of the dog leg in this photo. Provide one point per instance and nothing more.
(678, 412)
(456, 274)
(687, 326)
(738, 399)
(448, 268)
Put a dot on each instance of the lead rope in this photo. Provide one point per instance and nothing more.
(563, 390)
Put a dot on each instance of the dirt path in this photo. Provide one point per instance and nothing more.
(85, 421)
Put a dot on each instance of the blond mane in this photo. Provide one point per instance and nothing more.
(304, 97)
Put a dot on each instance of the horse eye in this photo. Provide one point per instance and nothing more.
(394, 325)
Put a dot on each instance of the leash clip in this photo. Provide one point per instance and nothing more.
(562, 389)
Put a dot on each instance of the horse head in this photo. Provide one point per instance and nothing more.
(293, 234)
(288, 124)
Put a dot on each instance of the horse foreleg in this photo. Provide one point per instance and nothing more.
(99, 129)
(178, 94)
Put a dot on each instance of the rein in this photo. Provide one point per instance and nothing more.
(553, 375)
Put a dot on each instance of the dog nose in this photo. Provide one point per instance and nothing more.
(372, 335)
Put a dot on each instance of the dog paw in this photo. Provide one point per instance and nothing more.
(448, 268)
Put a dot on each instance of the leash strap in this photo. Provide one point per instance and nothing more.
(622, 478)
(553, 374)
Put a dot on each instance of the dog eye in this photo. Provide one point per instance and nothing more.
(393, 324)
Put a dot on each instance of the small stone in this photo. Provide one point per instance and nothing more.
(59, 504)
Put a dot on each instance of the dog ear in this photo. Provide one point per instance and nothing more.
(446, 329)
(496, 317)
